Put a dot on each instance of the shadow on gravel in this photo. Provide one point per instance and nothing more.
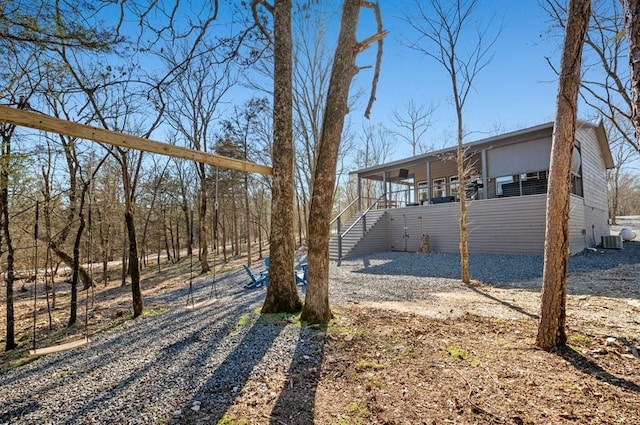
(296, 402)
(493, 269)
(223, 386)
(164, 348)
(591, 368)
(503, 302)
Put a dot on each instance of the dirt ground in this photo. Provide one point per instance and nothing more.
(457, 357)
(469, 358)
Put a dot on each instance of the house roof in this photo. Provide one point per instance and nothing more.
(542, 130)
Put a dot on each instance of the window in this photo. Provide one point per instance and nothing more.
(500, 182)
(453, 186)
(423, 191)
(439, 188)
(576, 171)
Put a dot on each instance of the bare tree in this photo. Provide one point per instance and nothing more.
(623, 154)
(551, 328)
(7, 132)
(605, 88)
(413, 123)
(25, 34)
(628, 190)
(442, 29)
(312, 68)
(316, 308)
(193, 105)
(239, 129)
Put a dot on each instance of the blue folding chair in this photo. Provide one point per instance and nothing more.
(256, 281)
(302, 280)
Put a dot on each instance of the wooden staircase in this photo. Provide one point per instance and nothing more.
(355, 236)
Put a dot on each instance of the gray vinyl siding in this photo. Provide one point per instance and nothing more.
(376, 239)
(594, 176)
(439, 221)
(596, 224)
(577, 230)
(514, 224)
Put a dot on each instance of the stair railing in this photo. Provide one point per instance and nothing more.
(338, 218)
(362, 218)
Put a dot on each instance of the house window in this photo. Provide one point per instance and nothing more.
(500, 182)
(423, 191)
(576, 185)
(534, 183)
(439, 188)
(453, 186)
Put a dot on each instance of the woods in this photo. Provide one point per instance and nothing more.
(177, 180)
(260, 178)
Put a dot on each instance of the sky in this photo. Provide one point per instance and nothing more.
(516, 90)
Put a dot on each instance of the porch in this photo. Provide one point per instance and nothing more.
(511, 224)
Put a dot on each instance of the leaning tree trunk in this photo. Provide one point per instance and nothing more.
(282, 295)
(551, 329)
(316, 306)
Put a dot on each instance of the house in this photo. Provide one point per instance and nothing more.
(506, 187)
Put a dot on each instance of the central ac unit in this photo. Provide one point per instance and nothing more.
(612, 242)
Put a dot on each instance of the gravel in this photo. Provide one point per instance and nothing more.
(189, 367)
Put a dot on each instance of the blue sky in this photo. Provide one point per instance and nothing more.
(516, 90)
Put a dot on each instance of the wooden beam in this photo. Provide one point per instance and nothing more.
(95, 134)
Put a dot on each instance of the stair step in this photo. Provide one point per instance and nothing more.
(355, 235)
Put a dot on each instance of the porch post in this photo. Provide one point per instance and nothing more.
(429, 182)
(384, 190)
(359, 186)
(483, 159)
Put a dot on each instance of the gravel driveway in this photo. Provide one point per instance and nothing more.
(187, 367)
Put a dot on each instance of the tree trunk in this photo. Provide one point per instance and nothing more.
(10, 342)
(282, 295)
(134, 266)
(464, 246)
(551, 329)
(632, 27)
(204, 239)
(105, 246)
(247, 212)
(316, 307)
(73, 311)
(125, 263)
(236, 227)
